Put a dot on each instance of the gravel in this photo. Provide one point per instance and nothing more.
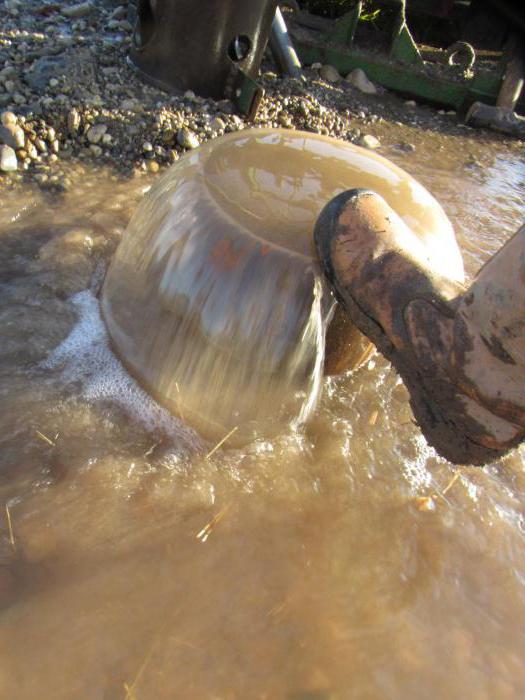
(69, 96)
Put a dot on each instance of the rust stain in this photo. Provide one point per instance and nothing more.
(224, 256)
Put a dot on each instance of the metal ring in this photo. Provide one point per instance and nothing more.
(464, 54)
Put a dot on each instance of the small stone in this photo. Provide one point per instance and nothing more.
(304, 108)
(31, 150)
(369, 141)
(95, 150)
(217, 124)
(119, 12)
(129, 105)
(407, 147)
(153, 166)
(329, 73)
(75, 11)
(8, 73)
(55, 146)
(187, 138)
(8, 161)
(96, 132)
(168, 136)
(41, 145)
(8, 118)
(107, 139)
(225, 106)
(147, 147)
(19, 99)
(316, 66)
(73, 121)
(189, 95)
(410, 103)
(54, 83)
(359, 79)
(285, 120)
(12, 135)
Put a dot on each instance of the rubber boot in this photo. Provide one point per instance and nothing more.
(460, 352)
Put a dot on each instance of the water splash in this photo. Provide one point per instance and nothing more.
(85, 357)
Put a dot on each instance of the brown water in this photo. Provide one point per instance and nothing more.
(303, 567)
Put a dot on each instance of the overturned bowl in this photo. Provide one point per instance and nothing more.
(214, 299)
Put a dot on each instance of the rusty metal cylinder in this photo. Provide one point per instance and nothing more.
(201, 45)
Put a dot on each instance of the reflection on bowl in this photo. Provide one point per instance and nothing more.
(214, 299)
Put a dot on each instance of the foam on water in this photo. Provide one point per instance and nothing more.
(416, 470)
(85, 357)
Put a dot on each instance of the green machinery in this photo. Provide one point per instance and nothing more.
(454, 77)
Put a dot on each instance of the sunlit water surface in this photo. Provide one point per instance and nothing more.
(344, 560)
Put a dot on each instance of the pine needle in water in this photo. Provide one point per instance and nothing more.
(130, 688)
(45, 438)
(221, 442)
(450, 484)
(10, 527)
(206, 531)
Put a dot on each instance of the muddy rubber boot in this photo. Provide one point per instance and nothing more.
(460, 352)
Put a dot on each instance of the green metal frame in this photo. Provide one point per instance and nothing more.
(402, 68)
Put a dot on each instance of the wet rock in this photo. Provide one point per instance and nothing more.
(8, 160)
(76, 11)
(359, 79)
(329, 73)
(369, 141)
(12, 135)
(187, 138)
(96, 132)
(407, 147)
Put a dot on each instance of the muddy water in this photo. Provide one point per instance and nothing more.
(342, 561)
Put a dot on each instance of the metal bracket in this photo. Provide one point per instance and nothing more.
(243, 91)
